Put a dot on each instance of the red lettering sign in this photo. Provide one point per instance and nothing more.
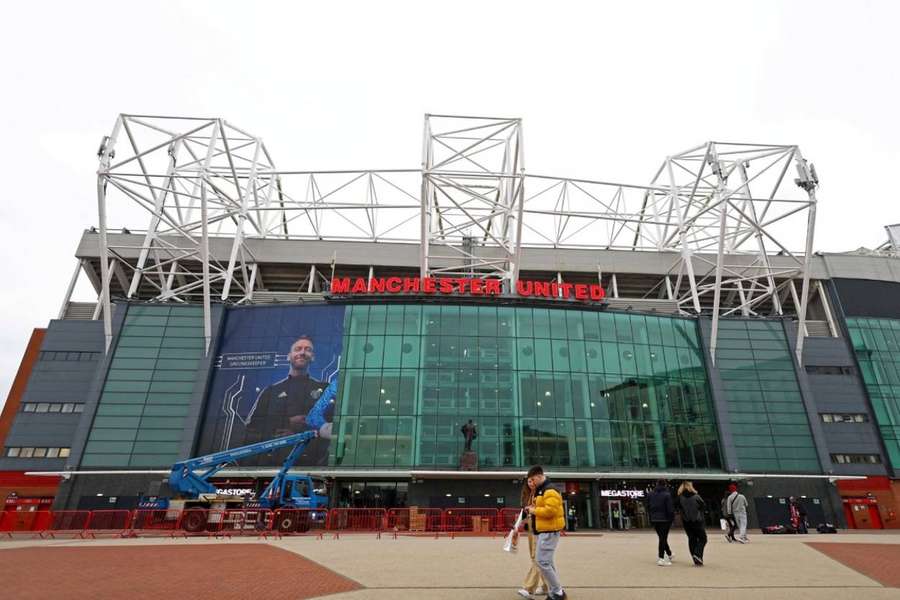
(472, 286)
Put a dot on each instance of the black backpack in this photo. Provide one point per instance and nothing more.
(826, 528)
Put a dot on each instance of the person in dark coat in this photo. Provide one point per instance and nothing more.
(692, 509)
(662, 513)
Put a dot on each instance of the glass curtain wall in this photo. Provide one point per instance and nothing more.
(877, 346)
(141, 415)
(769, 423)
(566, 388)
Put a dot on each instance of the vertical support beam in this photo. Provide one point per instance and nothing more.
(425, 210)
(159, 201)
(104, 289)
(68, 297)
(107, 151)
(242, 215)
(745, 310)
(519, 206)
(104, 267)
(795, 297)
(559, 283)
(807, 259)
(808, 181)
(670, 294)
(204, 259)
(720, 258)
(615, 286)
(312, 279)
(832, 326)
(371, 276)
(760, 242)
(254, 269)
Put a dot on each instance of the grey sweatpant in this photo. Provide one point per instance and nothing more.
(543, 556)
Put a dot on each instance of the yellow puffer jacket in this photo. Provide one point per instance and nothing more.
(548, 510)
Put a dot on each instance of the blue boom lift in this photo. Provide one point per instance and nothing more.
(190, 479)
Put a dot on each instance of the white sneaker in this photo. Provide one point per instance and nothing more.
(539, 591)
(671, 558)
(524, 593)
(664, 562)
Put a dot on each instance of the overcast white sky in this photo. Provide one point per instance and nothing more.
(606, 90)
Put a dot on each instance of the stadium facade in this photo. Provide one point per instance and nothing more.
(613, 333)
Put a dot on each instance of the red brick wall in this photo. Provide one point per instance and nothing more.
(32, 350)
(884, 490)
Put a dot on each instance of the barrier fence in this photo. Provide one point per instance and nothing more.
(243, 522)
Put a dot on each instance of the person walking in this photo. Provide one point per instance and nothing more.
(798, 515)
(692, 507)
(534, 581)
(547, 520)
(736, 504)
(728, 516)
(662, 513)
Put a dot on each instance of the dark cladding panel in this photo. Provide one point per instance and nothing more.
(867, 298)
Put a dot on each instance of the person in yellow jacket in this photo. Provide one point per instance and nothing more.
(547, 520)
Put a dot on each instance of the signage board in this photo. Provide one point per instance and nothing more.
(464, 286)
(622, 493)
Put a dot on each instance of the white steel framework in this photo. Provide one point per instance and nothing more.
(729, 213)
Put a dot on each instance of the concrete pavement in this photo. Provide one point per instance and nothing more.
(616, 565)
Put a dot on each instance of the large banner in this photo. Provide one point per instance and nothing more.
(276, 374)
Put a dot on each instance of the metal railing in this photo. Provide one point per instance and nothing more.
(243, 522)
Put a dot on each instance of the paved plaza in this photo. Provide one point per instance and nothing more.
(363, 567)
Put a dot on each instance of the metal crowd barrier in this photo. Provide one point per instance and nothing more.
(471, 520)
(107, 522)
(298, 521)
(260, 522)
(154, 522)
(24, 523)
(356, 520)
(414, 520)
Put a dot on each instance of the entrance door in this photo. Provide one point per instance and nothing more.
(616, 518)
(579, 506)
(875, 517)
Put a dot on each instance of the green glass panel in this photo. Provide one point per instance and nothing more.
(153, 460)
(155, 447)
(541, 322)
(113, 435)
(104, 460)
(120, 410)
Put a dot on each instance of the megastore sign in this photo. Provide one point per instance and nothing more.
(464, 286)
(622, 493)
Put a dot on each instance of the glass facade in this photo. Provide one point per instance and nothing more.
(140, 419)
(769, 423)
(565, 388)
(876, 343)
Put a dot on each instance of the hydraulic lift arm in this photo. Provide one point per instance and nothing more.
(187, 481)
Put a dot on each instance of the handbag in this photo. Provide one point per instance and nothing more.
(724, 524)
(508, 545)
